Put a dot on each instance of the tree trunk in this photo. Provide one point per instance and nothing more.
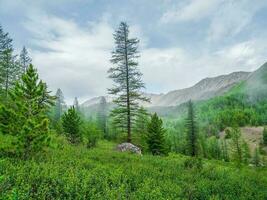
(129, 138)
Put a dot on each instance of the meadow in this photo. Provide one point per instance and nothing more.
(76, 172)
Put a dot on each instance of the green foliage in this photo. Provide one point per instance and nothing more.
(74, 172)
(24, 59)
(9, 68)
(25, 114)
(214, 148)
(236, 144)
(193, 163)
(191, 130)
(91, 133)
(155, 136)
(256, 157)
(265, 136)
(127, 79)
(71, 123)
(59, 105)
(102, 117)
(245, 152)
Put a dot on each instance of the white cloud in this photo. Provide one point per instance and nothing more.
(232, 17)
(76, 59)
(193, 11)
(174, 68)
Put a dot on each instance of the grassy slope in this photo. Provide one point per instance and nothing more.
(78, 173)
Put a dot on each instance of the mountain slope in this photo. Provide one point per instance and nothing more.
(205, 89)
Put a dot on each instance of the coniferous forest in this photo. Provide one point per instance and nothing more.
(210, 148)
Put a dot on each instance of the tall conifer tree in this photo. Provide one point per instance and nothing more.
(191, 130)
(29, 102)
(155, 137)
(127, 79)
(9, 69)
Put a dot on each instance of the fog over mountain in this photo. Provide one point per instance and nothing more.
(204, 89)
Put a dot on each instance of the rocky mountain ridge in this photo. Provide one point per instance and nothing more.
(204, 89)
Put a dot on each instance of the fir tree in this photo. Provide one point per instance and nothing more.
(191, 130)
(24, 59)
(102, 116)
(127, 80)
(155, 138)
(29, 102)
(71, 122)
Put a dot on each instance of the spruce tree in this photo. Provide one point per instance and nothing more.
(102, 116)
(24, 59)
(155, 136)
(71, 122)
(127, 79)
(26, 114)
(9, 69)
(60, 103)
(191, 128)
(76, 104)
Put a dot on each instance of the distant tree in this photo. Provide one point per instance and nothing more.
(265, 136)
(155, 138)
(245, 152)
(102, 116)
(60, 103)
(71, 122)
(9, 69)
(24, 59)
(203, 145)
(29, 102)
(214, 148)
(76, 104)
(127, 80)
(236, 143)
(140, 128)
(225, 154)
(191, 126)
(256, 157)
(142, 118)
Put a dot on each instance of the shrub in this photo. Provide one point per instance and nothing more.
(193, 163)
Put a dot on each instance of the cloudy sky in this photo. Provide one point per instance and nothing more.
(181, 41)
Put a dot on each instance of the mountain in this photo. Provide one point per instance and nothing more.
(205, 89)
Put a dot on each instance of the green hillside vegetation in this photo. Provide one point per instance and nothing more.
(75, 172)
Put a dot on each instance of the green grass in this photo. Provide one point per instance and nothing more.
(74, 172)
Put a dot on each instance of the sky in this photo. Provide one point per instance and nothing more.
(181, 41)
